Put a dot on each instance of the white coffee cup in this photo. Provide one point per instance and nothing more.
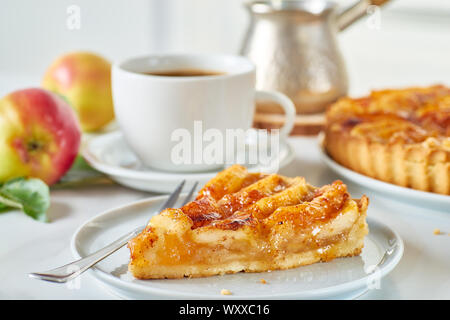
(149, 108)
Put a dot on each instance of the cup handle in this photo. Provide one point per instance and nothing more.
(285, 103)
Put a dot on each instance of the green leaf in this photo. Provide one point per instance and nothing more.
(30, 195)
(81, 174)
(4, 207)
(81, 164)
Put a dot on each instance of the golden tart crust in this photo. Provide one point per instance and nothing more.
(397, 136)
(250, 222)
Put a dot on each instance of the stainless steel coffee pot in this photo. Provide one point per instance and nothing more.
(293, 44)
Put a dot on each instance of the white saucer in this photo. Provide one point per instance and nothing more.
(344, 278)
(109, 154)
(411, 196)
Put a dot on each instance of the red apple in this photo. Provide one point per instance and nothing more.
(39, 135)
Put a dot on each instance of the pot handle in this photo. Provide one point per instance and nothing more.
(355, 12)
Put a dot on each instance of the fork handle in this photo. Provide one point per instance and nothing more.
(74, 269)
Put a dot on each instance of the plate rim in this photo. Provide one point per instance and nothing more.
(126, 173)
(158, 292)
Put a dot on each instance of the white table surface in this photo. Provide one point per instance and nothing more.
(27, 245)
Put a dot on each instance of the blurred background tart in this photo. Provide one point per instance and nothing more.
(398, 136)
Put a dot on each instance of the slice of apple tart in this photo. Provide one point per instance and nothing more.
(250, 222)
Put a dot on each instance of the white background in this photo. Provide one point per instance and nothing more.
(410, 48)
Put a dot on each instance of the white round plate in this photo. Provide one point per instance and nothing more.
(109, 154)
(411, 196)
(343, 278)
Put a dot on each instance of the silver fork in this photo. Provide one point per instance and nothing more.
(74, 269)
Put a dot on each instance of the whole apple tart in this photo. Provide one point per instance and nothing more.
(397, 136)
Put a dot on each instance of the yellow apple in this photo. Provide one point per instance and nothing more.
(84, 79)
